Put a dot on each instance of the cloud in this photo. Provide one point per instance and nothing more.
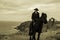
(25, 8)
(41, 6)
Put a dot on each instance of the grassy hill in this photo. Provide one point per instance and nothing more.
(50, 34)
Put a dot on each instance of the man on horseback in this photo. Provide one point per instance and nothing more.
(37, 24)
(35, 15)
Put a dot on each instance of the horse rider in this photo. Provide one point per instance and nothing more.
(35, 15)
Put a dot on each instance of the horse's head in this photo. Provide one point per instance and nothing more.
(44, 18)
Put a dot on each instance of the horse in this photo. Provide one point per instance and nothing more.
(36, 27)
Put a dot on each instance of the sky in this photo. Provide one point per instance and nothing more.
(21, 10)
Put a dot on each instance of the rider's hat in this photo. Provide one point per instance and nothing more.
(36, 9)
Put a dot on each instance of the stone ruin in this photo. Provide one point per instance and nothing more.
(52, 24)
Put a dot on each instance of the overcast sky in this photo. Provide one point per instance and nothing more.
(21, 10)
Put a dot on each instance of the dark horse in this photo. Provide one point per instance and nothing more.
(37, 26)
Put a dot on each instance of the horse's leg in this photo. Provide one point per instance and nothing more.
(34, 36)
(38, 36)
(30, 38)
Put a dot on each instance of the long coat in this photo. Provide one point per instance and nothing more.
(35, 16)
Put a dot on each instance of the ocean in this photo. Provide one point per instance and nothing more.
(7, 27)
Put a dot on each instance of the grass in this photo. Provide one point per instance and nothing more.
(49, 35)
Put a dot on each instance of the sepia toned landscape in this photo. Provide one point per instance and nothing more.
(15, 18)
(8, 31)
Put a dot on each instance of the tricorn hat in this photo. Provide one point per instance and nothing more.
(36, 9)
